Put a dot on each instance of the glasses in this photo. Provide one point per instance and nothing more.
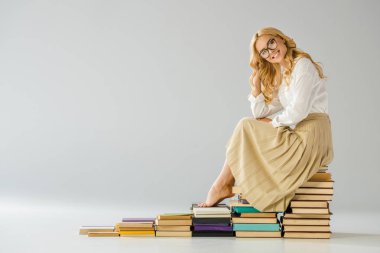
(271, 45)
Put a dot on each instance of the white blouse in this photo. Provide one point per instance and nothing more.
(306, 94)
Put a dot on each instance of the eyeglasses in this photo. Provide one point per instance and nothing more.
(271, 45)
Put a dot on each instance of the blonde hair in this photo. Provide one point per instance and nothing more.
(270, 73)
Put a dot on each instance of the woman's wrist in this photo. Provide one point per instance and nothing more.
(255, 92)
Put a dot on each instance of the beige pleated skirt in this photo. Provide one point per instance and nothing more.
(271, 163)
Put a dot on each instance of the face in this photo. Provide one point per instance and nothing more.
(271, 48)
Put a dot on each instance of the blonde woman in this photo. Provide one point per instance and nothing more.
(270, 158)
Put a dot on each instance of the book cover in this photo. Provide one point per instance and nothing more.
(256, 227)
(213, 233)
(211, 220)
(204, 227)
(258, 234)
(245, 209)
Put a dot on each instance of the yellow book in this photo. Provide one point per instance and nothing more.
(137, 233)
(103, 234)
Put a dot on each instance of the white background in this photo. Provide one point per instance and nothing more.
(127, 105)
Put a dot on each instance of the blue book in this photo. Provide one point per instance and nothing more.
(257, 227)
(245, 209)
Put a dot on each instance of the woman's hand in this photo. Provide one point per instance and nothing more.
(265, 119)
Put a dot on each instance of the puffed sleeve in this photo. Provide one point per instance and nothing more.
(260, 109)
(301, 101)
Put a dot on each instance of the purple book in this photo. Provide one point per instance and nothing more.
(204, 227)
(138, 219)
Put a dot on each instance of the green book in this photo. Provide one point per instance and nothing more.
(257, 227)
(245, 209)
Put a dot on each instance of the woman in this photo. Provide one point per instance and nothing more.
(270, 158)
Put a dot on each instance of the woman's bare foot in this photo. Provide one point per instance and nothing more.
(216, 195)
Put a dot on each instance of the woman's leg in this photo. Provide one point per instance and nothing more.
(221, 188)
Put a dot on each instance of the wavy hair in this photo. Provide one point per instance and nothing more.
(270, 73)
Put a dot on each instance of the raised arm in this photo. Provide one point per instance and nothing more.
(258, 106)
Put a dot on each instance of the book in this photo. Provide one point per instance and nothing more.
(103, 234)
(175, 216)
(213, 233)
(173, 228)
(320, 204)
(307, 228)
(316, 184)
(321, 176)
(310, 210)
(133, 229)
(173, 233)
(174, 222)
(211, 211)
(310, 222)
(254, 220)
(317, 197)
(306, 216)
(244, 209)
(135, 224)
(204, 227)
(308, 235)
(258, 215)
(259, 234)
(84, 230)
(195, 205)
(212, 215)
(256, 227)
(301, 190)
(211, 220)
(137, 233)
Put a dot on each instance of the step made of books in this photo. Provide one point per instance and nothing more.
(307, 216)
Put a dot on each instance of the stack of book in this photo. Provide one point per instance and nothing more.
(174, 225)
(98, 231)
(248, 222)
(212, 221)
(141, 227)
(308, 215)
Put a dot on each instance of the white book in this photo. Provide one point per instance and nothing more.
(211, 210)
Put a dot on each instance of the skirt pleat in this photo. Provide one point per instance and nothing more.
(270, 164)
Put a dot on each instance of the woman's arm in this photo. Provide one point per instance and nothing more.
(260, 109)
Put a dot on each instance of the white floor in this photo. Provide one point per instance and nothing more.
(38, 228)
